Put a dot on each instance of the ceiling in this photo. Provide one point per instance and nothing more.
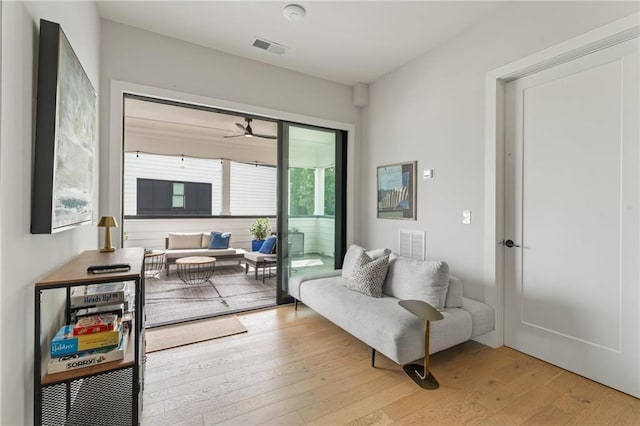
(168, 129)
(346, 42)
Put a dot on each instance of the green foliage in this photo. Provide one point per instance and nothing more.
(260, 228)
(330, 191)
(302, 191)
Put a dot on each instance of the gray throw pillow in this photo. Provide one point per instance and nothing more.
(350, 258)
(411, 279)
(368, 275)
(454, 293)
(352, 254)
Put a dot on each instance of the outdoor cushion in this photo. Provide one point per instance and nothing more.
(219, 240)
(176, 254)
(255, 256)
(269, 245)
(185, 240)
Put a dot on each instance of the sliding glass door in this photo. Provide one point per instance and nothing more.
(312, 201)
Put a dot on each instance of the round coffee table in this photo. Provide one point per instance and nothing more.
(196, 269)
(153, 263)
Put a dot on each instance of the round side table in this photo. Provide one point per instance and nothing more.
(196, 269)
(153, 263)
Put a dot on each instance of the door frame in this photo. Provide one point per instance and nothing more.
(112, 139)
(341, 200)
(616, 32)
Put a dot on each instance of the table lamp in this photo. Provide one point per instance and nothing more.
(107, 222)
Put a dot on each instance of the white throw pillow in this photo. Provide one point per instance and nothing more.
(454, 293)
(368, 275)
(412, 279)
(185, 240)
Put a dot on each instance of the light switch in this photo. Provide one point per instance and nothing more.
(427, 174)
(466, 217)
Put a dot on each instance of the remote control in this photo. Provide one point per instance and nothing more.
(108, 269)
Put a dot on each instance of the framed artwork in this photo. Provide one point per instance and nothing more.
(65, 143)
(397, 191)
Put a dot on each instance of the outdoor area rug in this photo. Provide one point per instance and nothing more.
(171, 336)
(168, 299)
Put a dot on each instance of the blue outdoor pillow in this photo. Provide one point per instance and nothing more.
(220, 240)
(269, 245)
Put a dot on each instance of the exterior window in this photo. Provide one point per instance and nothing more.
(330, 191)
(302, 190)
(178, 195)
(167, 198)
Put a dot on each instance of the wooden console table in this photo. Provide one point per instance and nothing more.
(108, 393)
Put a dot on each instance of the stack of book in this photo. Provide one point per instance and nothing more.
(101, 315)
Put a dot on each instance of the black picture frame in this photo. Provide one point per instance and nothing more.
(397, 191)
(63, 194)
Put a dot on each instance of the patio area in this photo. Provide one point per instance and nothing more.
(168, 300)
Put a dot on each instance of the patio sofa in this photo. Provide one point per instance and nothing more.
(382, 323)
(185, 244)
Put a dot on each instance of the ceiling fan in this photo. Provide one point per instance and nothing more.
(247, 131)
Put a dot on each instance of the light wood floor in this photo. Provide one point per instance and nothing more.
(298, 368)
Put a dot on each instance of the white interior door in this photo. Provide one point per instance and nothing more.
(572, 190)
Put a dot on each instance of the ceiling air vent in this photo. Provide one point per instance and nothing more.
(269, 46)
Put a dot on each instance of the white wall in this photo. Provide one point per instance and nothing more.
(143, 58)
(25, 257)
(318, 233)
(432, 110)
(165, 167)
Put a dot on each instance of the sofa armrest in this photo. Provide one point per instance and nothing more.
(296, 282)
(482, 315)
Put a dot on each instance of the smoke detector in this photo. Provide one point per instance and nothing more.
(293, 12)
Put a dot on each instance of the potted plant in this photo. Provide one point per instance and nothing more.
(260, 229)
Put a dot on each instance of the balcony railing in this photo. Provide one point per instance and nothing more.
(151, 232)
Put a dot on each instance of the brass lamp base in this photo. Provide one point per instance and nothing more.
(107, 240)
(416, 372)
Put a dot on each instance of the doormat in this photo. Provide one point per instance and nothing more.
(172, 336)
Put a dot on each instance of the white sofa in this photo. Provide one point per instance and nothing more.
(185, 244)
(383, 324)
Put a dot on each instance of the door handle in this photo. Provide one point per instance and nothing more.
(509, 243)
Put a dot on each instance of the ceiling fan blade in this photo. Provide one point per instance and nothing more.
(234, 136)
(258, 135)
(241, 127)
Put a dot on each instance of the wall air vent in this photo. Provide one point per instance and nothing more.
(412, 244)
(269, 46)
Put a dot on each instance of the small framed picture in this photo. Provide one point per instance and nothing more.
(397, 191)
